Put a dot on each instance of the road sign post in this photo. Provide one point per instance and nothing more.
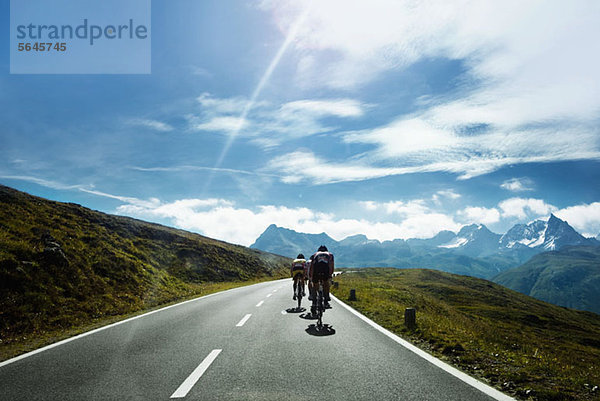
(410, 318)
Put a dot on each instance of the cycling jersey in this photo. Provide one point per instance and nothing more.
(322, 265)
(298, 266)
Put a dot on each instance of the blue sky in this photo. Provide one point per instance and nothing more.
(388, 118)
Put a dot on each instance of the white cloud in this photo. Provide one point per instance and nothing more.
(501, 40)
(448, 194)
(406, 209)
(40, 181)
(523, 208)
(220, 218)
(418, 144)
(223, 124)
(534, 81)
(134, 202)
(267, 124)
(152, 124)
(213, 105)
(336, 107)
(480, 215)
(304, 165)
(517, 185)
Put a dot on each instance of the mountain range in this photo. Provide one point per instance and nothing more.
(474, 250)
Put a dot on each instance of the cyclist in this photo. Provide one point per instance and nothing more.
(321, 270)
(297, 272)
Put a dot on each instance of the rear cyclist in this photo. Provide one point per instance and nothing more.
(321, 270)
(297, 272)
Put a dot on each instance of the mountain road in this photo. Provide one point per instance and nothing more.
(248, 343)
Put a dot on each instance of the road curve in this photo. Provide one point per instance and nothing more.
(240, 344)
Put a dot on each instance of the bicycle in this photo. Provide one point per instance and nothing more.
(320, 305)
(299, 291)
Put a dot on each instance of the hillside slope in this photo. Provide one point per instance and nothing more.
(523, 346)
(62, 265)
(569, 277)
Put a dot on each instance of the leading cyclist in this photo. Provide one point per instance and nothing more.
(321, 271)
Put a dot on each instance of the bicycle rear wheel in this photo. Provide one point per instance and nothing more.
(320, 309)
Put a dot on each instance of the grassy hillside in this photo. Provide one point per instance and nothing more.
(569, 277)
(523, 346)
(64, 267)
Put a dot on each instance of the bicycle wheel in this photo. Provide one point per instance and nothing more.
(320, 309)
(299, 294)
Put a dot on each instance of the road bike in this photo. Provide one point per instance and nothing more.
(320, 305)
(299, 291)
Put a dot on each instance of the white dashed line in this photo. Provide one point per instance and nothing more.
(187, 385)
(259, 304)
(244, 320)
(268, 295)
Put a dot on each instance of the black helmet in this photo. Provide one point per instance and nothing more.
(300, 256)
(323, 248)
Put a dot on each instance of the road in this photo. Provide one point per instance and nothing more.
(236, 345)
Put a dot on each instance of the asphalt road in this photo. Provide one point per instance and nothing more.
(236, 345)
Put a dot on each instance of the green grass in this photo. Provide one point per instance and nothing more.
(112, 267)
(522, 346)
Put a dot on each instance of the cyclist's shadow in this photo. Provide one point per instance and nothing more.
(325, 330)
(296, 310)
(308, 316)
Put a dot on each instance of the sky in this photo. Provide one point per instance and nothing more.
(393, 119)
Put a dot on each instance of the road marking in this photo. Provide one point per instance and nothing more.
(187, 385)
(259, 304)
(67, 340)
(284, 312)
(275, 290)
(484, 388)
(268, 295)
(244, 320)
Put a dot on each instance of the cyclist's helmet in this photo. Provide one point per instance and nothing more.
(323, 248)
(300, 256)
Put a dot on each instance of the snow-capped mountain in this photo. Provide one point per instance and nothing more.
(544, 235)
(529, 235)
(474, 250)
(474, 240)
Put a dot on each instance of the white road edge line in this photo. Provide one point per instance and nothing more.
(260, 303)
(244, 320)
(484, 388)
(188, 383)
(87, 333)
